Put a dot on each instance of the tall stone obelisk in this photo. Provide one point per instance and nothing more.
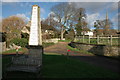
(35, 38)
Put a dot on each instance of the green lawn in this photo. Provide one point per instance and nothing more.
(75, 49)
(5, 62)
(23, 50)
(64, 40)
(59, 66)
(104, 41)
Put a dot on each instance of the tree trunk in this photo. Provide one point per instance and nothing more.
(62, 33)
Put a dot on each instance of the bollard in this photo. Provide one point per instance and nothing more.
(68, 53)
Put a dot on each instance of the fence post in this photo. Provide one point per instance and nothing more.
(111, 40)
(108, 40)
(89, 39)
(83, 38)
(79, 38)
(98, 39)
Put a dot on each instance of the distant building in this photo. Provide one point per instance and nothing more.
(48, 32)
(26, 29)
(88, 33)
(101, 31)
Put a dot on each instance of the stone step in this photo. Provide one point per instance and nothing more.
(33, 69)
(26, 61)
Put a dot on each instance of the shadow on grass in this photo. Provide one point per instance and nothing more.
(60, 66)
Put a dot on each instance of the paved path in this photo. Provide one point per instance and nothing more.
(60, 48)
(107, 63)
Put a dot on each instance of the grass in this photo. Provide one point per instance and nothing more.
(59, 66)
(72, 49)
(64, 40)
(23, 50)
(47, 44)
(75, 49)
(6, 60)
(107, 41)
(101, 41)
(86, 52)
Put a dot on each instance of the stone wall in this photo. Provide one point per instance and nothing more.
(97, 49)
(2, 46)
(55, 40)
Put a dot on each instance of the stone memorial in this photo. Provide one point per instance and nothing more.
(35, 29)
(35, 39)
(33, 61)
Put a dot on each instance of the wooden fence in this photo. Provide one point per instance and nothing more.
(110, 40)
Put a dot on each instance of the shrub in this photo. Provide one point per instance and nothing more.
(20, 42)
(46, 36)
(25, 35)
(70, 35)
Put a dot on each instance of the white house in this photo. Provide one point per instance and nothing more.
(89, 33)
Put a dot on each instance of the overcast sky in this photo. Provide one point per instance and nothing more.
(94, 10)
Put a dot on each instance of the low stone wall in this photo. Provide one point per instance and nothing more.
(2, 46)
(55, 40)
(97, 49)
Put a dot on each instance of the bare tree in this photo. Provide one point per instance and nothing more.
(103, 24)
(63, 13)
(49, 23)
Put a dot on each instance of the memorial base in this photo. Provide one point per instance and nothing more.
(32, 63)
(35, 51)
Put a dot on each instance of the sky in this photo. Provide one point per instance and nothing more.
(94, 10)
